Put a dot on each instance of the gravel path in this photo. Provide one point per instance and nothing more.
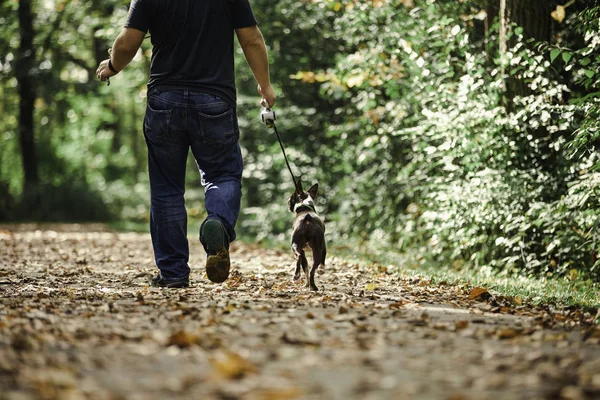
(79, 321)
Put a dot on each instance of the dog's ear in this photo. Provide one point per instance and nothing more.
(292, 202)
(299, 185)
(313, 190)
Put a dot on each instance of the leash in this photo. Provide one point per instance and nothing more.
(268, 118)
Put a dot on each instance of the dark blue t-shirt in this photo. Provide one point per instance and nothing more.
(192, 42)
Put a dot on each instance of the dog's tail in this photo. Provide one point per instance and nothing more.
(307, 219)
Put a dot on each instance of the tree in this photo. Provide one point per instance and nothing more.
(25, 78)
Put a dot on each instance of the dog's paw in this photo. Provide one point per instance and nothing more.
(321, 269)
(296, 277)
(314, 288)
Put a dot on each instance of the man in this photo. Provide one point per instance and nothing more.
(192, 104)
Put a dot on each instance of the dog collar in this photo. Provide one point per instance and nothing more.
(305, 207)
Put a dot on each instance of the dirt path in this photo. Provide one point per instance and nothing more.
(78, 321)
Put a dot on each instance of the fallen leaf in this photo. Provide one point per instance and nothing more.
(479, 293)
(182, 339)
(280, 394)
(518, 300)
(507, 333)
(461, 324)
(592, 333)
(298, 341)
(396, 305)
(230, 365)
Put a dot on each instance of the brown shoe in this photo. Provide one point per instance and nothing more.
(217, 261)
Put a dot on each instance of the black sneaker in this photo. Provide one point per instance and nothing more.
(159, 281)
(217, 256)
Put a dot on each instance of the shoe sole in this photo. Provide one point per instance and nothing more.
(218, 264)
(177, 284)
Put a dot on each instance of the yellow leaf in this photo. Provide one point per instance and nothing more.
(478, 293)
(337, 6)
(228, 308)
(573, 274)
(559, 14)
(371, 286)
(231, 365)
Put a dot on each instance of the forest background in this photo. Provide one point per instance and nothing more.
(461, 133)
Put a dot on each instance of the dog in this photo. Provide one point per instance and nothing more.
(308, 232)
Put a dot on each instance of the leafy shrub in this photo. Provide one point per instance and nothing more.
(440, 158)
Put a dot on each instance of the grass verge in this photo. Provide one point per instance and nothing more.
(561, 292)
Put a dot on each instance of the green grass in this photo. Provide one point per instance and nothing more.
(130, 226)
(535, 290)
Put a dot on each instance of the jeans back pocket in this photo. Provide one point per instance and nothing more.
(219, 128)
(156, 124)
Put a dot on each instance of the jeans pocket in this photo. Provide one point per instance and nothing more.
(156, 124)
(218, 129)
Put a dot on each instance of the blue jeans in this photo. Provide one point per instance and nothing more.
(175, 121)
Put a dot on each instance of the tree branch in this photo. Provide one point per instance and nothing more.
(77, 61)
(54, 28)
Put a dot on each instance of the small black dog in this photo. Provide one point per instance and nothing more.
(308, 232)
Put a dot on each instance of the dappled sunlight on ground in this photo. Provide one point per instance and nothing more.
(78, 320)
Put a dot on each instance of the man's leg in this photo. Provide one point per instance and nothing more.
(167, 155)
(222, 199)
(216, 149)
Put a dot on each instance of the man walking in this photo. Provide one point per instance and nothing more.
(192, 104)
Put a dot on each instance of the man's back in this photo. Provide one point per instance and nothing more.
(192, 42)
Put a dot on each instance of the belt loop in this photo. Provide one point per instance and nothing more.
(186, 106)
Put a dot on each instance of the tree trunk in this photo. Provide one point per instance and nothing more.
(502, 39)
(26, 84)
(534, 17)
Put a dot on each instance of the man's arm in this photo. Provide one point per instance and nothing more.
(124, 48)
(253, 45)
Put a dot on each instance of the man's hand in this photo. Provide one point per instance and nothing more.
(268, 96)
(123, 50)
(103, 72)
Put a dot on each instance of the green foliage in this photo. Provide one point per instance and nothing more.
(47, 203)
(438, 159)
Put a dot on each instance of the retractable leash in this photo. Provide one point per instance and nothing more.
(268, 118)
